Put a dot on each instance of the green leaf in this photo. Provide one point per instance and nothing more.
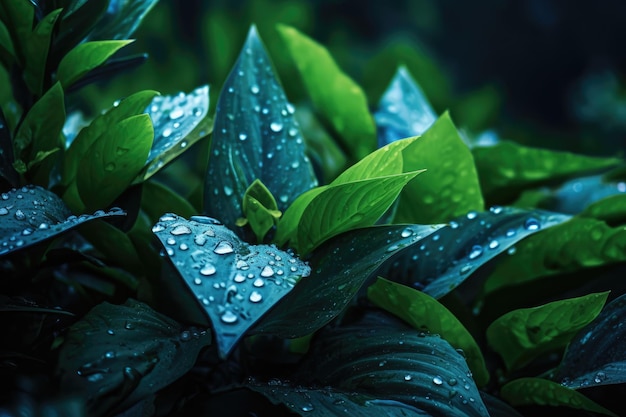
(118, 355)
(113, 161)
(507, 168)
(450, 188)
(36, 53)
(84, 58)
(537, 391)
(18, 16)
(6, 154)
(122, 19)
(32, 214)
(524, 334)
(340, 267)
(260, 209)
(611, 210)
(382, 358)
(256, 137)
(335, 95)
(425, 313)
(234, 284)
(7, 52)
(287, 228)
(595, 356)
(157, 198)
(130, 106)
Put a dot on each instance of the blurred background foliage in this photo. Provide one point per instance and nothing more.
(541, 72)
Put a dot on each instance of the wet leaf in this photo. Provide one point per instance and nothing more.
(84, 58)
(444, 260)
(537, 391)
(32, 214)
(36, 52)
(335, 95)
(340, 267)
(522, 335)
(118, 355)
(233, 283)
(123, 17)
(450, 186)
(403, 110)
(425, 313)
(179, 121)
(497, 407)
(256, 137)
(596, 356)
(384, 359)
(507, 168)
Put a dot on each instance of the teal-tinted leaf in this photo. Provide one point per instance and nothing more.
(537, 391)
(118, 355)
(179, 122)
(340, 267)
(447, 258)
(335, 95)
(32, 214)
(450, 188)
(384, 359)
(522, 335)
(130, 106)
(85, 57)
(233, 283)
(157, 198)
(327, 402)
(403, 110)
(256, 137)
(507, 168)
(113, 161)
(36, 52)
(497, 407)
(425, 313)
(123, 17)
(596, 355)
(6, 154)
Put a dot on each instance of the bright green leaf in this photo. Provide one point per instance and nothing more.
(425, 313)
(538, 391)
(524, 334)
(36, 52)
(287, 229)
(337, 97)
(260, 209)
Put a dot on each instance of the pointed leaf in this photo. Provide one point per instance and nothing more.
(444, 260)
(85, 57)
(36, 52)
(450, 188)
(507, 168)
(32, 214)
(6, 154)
(256, 137)
(537, 391)
(233, 283)
(118, 355)
(524, 334)
(7, 52)
(596, 356)
(425, 313)
(403, 110)
(113, 161)
(18, 16)
(260, 209)
(335, 95)
(179, 122)
(123, 17)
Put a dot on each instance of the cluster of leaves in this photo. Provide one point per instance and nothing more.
(373, 276)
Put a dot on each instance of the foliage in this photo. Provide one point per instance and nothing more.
(253, 289)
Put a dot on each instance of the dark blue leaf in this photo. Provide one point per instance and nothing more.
(234, 283)
(403, 110)
(256, 137)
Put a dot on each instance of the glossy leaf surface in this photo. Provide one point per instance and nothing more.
(36, 52)
(123, 17)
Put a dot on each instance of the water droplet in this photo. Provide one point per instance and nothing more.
(408, 377)
(511, 250)
(465, 269)
(600, 377)
(531, 224)
(437, 380)
(109, 355)
(239, 278)
(4, 211)
(255, 89)
(243, 136)
(185, 336)
(170, 241)
(111, 332)
(477, 250)
(177, 113)
(197, 281)
(256, 297)
(167, 132)
(208, 270)
(290, 108)
(129, 326)
(183, 246)
(510, 233)
(19, 214)
(228, 191)
(267, 272)
(496, 209)
(276, 126)
(44, 226)
(223, 248)
(406, 232)
(471, 215)
(452, 382)
(228, 317)
(493, 244)
(258, 283)
(307, 407)
(180, 229)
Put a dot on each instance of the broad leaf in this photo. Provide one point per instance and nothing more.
(537, 391)
(179, 122)
(403, 110)
(113, 161)
(447, 258)
(36, 53)
(524, 334)
(340, 267)
(18, 16)
(386, 360)
(84, 58)
(596, 356)
(157, 198)
(233, 283)
(118, 355)
(32, 214)
(335, 95)
(611, 210)
(450, 186)
(256, 137)
(6, 154)
(123, 17)
(7, 51)
(507, 168)
(425, 313)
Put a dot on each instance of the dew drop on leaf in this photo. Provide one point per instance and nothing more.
(437, 380)
(531, 224)
(267, 272)
(276, 126)
(477, 250)
(228, 317)
(256, 297)
(208, 270)
(181, 229)
(223, 248)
